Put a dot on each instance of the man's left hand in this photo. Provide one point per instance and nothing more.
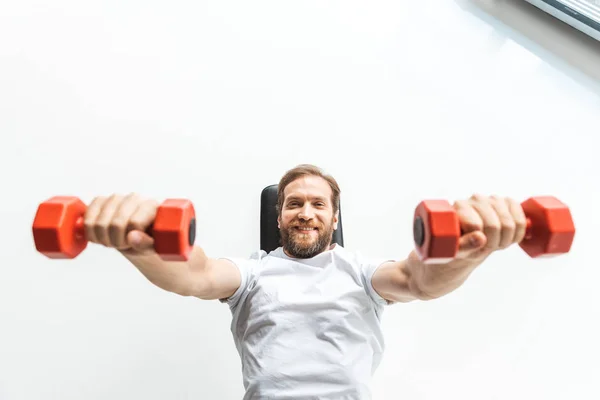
(488, 223)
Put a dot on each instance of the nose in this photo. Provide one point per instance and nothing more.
(306, 212)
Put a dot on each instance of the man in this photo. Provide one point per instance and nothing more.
(306, 316)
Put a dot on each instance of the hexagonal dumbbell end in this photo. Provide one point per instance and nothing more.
(550, 227)
(58, 229)
(174, 229)
(436, 231)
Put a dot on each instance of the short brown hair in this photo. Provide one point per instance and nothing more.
(303, 170)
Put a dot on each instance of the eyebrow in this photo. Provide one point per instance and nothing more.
(296, 197)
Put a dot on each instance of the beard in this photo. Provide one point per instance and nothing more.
(306, 245)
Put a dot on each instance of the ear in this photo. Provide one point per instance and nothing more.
(279, 222)
(335, 219)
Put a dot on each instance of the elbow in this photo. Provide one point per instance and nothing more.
(191, 284)
(193, 289)
(182, 289)
(199, 284)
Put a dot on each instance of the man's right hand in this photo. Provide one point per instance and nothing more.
(121, 222)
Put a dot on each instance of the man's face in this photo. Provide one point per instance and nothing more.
(307, 221)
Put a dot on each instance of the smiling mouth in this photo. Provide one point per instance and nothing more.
(305, 230)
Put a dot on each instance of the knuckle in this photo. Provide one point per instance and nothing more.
(150, 203)
(494, 227)
(508, 225)
(500, 202)
(117, 223)
(88, 222)
(138, 223)
(99, 199)
(100, 226)
(100, 229)
(89, 226)
(95, 205)
(115, 199)
(461, 204)
(514, 205)
(473, 226)
(133, 199)
(478, 197)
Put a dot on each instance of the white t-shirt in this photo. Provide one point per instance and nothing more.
(307, 328)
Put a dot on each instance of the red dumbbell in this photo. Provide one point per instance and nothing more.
(436, 229)
(59, 232)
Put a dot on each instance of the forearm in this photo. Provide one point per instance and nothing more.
(184, 278)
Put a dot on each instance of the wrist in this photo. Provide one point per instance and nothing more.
(436, 280)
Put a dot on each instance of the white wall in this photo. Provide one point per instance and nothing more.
(212, 101)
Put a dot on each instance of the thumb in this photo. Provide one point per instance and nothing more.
(470, 243)
(140, 241)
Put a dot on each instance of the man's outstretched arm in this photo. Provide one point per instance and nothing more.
(200, 276)
(121, 222)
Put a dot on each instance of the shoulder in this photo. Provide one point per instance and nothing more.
(365, 267)
(357, 258)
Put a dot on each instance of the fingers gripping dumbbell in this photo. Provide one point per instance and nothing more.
(436, 229)
(59, 232)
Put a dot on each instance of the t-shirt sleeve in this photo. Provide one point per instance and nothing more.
(246, 267)
(368, 267)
